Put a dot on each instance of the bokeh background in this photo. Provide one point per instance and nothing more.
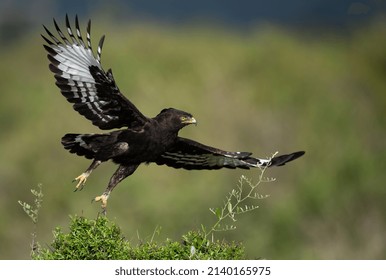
(260, 76)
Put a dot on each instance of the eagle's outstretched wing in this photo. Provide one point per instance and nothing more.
(189, 154)
(81, 79)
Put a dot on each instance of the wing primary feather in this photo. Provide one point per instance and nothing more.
(100, 46)
(78, 33)
(69, 31)
(55, 69)
(65, 40)
(49, 50)
(48, 41)
(53, 60)
(52, 36)
(88, 35)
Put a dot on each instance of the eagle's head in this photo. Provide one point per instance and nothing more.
(174, 119)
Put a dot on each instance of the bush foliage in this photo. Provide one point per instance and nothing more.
(102, 239)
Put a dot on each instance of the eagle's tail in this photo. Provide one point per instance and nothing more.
(86, 145)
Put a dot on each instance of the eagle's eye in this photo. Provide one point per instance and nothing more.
(186, 119)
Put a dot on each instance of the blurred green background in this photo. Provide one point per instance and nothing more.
(266, 88)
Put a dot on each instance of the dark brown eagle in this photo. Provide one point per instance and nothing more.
(95, 95)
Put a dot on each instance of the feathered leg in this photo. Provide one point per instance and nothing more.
(122, 172)
(82, 178)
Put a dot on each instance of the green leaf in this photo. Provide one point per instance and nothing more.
(230, 210)
(218, 213)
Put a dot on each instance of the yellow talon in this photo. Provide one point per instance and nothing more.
(82, 178)
(103, 199)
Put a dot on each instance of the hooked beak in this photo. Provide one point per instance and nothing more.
(190, 121)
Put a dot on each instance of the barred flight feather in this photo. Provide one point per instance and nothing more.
(84, 83)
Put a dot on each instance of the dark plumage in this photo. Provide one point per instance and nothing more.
(95, 95)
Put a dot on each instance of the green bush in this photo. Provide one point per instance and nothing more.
(101, 239)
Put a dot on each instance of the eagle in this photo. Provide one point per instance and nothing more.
(137, 138)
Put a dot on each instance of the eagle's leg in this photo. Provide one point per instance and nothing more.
(122, 172)
(82, 178)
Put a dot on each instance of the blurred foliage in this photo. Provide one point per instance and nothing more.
(263, 91)
(101, 239)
